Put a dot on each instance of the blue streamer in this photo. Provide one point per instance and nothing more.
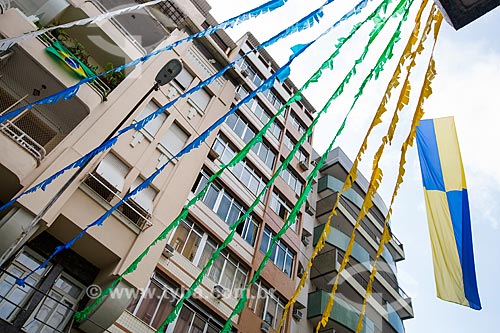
(267, 84)
(299, 26)
(70, 92)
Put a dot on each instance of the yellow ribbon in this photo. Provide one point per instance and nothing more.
(394, 82)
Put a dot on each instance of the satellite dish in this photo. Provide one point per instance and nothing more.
(168, 72)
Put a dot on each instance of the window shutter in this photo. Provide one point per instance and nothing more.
(113, 170)
(175, 139)
(145, 197)
(184, 79)
(153, 125)
(201, 98)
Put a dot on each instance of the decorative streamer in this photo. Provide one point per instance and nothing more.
(375, 181)
(70, 92)
(302, 24)
(239, 157)
(7, 43)
(402, 102)
(352, 175)
(302, 199)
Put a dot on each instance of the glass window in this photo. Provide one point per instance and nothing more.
(281, 255)
(175, 139)
(186, 239)
(292, 180)
(227, 207)
(266, 304)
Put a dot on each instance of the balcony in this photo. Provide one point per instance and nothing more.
(329, 186)
(343, 317)
(385, 286)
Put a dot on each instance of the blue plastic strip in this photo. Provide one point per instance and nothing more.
(267, 84)
(70, 92)
(299, 26)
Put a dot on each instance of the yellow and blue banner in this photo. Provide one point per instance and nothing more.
(62, 53)
(448, 214)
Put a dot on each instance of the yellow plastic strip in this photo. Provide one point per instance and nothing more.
(394, 82)
(434, 16)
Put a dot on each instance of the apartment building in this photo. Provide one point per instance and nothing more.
(44, 139)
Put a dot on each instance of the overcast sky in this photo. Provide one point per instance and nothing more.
(467, 87)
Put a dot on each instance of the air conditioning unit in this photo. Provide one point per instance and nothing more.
(168, 251)
(265, 327)
(310, 209)
(297, 314)
(304, 165)
(305, 240)
(245, 72)
(212, 155)
(218, 291)
(301, 271)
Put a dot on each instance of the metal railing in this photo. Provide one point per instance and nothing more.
(24, 140)
(96, 84)
(134, 214)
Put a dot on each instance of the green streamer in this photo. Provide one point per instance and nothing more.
(328, 64)
(402, 8)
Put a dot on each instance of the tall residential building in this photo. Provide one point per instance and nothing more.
(42, 140)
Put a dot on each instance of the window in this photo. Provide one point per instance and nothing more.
(243, 130)
(186, 239)
(153, 126)
(264, 116)
(145, 197)
(275, 101)
(184, 79)
(298, 124)
(139, 207)
(229, 209)
(281, 255)
(200, 98)
(175, 139)
(250, 72)
(281, 207)
(243, 170)
(290, 143)
(266, 304)
(109, 177)
(12, 297)
(292, 180)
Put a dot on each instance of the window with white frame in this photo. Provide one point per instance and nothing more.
(159, 299)
(266, 304)
(219, 200)
(250, 72)
(12, 297)
(241, 127)
(290, 143)
(154, 125)
(184, 79)
(175, 139)
(201, 98)
(292, 180)
(242, 170)
(109, 177)
(281, 255)
(297, 123)
(275, 101)
(264, 116)
(282, 208)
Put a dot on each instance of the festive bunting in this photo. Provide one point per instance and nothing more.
(387, 139)
(70, 92)
(299, 26)
(238, 158)
(267, 84)
(7, 43)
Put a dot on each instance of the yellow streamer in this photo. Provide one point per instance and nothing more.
(394, 82)
(435, 17)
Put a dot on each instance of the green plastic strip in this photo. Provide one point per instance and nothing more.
(402, 8)
(328, 64)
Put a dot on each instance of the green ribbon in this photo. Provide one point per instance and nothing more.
(402, 8)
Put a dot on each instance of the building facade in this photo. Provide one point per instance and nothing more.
(44, 139)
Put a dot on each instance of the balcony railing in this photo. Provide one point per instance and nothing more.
(97, 84)
(24, 140)
(129, 209)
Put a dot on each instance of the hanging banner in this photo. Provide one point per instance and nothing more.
(58, 50)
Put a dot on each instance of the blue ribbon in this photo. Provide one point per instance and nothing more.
(70, 92)
(267, 84)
